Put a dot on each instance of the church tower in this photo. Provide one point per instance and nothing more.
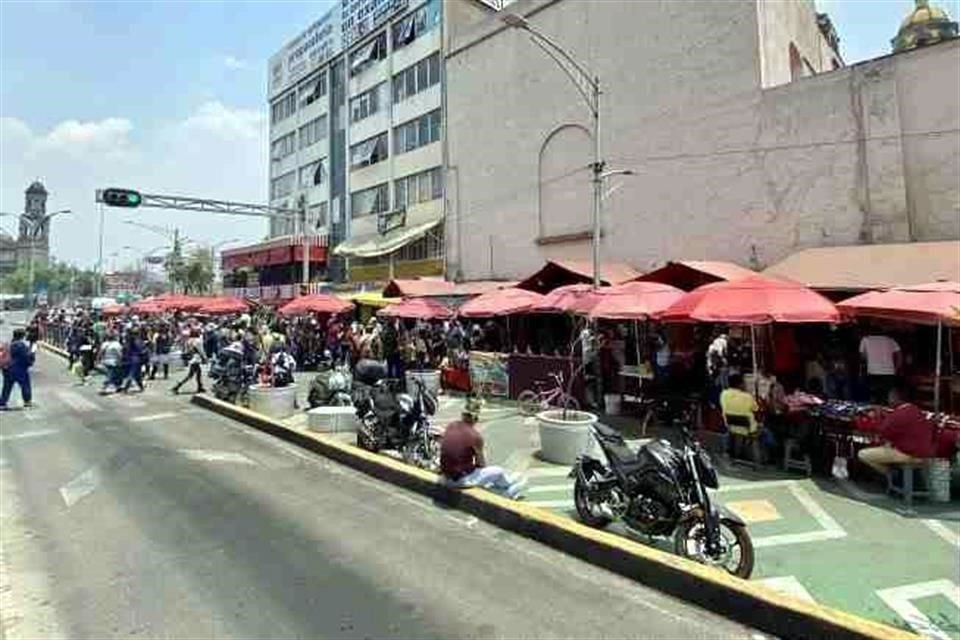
(34, 227)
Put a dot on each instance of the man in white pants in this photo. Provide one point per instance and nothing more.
(462, 462)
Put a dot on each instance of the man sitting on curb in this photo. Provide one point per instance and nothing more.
(462, 463)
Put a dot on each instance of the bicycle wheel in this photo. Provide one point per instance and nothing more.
(528, 402)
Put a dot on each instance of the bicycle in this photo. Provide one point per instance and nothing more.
(531, 401)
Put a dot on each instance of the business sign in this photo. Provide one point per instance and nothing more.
(318, 43)
(360, 17)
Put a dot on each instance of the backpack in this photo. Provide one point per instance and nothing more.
(5, 359)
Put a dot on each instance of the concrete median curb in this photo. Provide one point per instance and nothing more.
(709, 588)
(46, 346)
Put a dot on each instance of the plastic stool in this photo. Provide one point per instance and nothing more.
(790, 462)
(907, 485)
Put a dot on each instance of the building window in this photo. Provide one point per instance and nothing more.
(366, 104)
(420, 187)
(313, 131)
(416, 24)
(369, 54)
(318, 214)
(313, 89)
(429, 247)
(368, 152)
(283, 108)
(313, 174)
(283, 186)
(416, 78)
(283, 146)
(370, 201)
(417, 133)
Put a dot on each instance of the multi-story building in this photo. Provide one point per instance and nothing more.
(747, 136)
(356, 138)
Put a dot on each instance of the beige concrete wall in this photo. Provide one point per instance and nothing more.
(785, 22)
(725, 170)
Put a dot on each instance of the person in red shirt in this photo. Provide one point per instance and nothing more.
(910, 436)
(462, 463)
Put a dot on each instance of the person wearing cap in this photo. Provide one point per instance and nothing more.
(462, 461)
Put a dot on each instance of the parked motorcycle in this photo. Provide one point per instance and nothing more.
(661, 490)
(232, 376)
(331, 388)
(397, 421)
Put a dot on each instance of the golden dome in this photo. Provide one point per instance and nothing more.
(924, 26)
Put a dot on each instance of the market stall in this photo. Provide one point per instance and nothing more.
(315, 303)
(417, 309)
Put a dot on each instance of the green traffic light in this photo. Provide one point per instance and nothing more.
(133, 199)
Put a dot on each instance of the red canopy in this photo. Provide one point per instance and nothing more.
(502, 302)
(418, 309)
(572, 298)
(225, 305)
(635, 301)
(926, 304)
(754, 300)
(315, 303)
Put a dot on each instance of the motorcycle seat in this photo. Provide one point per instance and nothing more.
(608, 434)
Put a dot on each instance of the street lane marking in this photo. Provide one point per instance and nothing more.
(209, 455)
(133, 404)
(788, 585)
(39, 433)
(550, 488)
(762, 484)
(551, 504)
(899, 599)
(547, 472)
(154, 416)
(77, 402)
(830, 530)
(952, 536)
(81, 486)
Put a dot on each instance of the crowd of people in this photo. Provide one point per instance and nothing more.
(133, 349)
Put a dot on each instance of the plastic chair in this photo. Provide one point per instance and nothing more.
(752, 440)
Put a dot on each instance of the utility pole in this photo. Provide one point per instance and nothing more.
(302, 215)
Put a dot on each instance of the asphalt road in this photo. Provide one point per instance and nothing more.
(143, 516)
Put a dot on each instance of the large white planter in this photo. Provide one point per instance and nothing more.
(562, 439)
(332, 419)
(429, 377)
(276, 402)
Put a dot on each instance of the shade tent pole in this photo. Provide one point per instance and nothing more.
(936, 376)
(753, 354)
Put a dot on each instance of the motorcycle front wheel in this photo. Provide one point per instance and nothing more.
(737, 556)
(587, 510)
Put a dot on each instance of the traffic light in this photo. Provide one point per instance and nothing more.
(121, 198)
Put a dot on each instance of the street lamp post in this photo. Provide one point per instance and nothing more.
(588, 85)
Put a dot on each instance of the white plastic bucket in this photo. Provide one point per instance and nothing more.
(429, 377)
(938, 472)
(332, 419)
(562, 439)
(275, 402)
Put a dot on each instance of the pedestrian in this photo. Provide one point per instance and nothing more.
(462, 460)
(17, 369)
(134, 357)
(161, 353)
(194, 353)
(111, 356)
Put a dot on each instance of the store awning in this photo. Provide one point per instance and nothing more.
(558, 273)
(368, 298)
(690, 274)
(376, 244)
(873, 266)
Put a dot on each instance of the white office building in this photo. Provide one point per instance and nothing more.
(356, 134)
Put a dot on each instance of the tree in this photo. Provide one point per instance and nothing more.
(197, 272)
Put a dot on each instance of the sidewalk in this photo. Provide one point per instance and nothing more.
(826, 541)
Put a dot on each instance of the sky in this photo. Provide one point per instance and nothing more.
(169, 97)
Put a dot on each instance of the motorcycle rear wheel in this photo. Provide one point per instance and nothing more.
(690, 544)
(586, 509)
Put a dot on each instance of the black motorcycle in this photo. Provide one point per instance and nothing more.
(661, 490)
(398, 421)
(231, 376)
